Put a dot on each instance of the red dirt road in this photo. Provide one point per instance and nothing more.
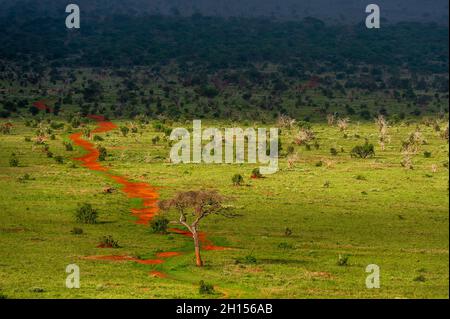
(143, 191)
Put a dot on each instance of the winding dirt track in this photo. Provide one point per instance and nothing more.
(143, 191)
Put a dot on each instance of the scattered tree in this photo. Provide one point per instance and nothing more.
(193, 207)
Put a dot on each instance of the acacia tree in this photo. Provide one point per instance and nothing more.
(193, 206)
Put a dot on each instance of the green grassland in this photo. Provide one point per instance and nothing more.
(372, 210)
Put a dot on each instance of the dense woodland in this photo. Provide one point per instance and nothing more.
(239, 68)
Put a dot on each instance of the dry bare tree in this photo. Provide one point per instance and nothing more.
(383, 136)
(412, 144)
(444, 133)
(330, 119)
(410, 147)
(304, 136)
(292, 159)
(192, 207)
(285, 121)
(343, 124)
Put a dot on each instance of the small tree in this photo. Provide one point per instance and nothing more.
(195, 205)
(383, 136)
(343, 124)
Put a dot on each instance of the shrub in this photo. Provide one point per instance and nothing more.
(75, 122)
(68, 146)
(85, 214)
(237, 180)
(25, 178)
(27, 139)
(249, 259)
(2, 296)
(124, 130)
(102, 153)
(288, 232)
(319, 164)
(427, 154)
(333, 151)
(420, 278)
(76, 231)
(360, 178)
(205, 289)
(13, 160)
(290, 150)
(316, 145)
(363, 151)
(256, 173)
(59, 159)
(155, 140)
(159, 224)
(285, 246)
(108, 242)
(98, 138)
(37, 289)
(342, 260)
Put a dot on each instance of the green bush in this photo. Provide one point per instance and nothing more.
(124, 130)
(98, 138)
(205, 289)
(102, 153)
(155, 140)
(420, 278)
(285, 246)
(76, 231)
(159, 224)
(427, 154)
(333, 151)
(68, 146)
(249, 259)
(59, 159)
(342, 260)
(85, 214)
(237, 180)
(363, 151)
(288, 232)
(290, 150)
(256, 173)
(108, 242)
(13, 160)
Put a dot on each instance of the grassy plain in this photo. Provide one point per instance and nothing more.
(372, 210)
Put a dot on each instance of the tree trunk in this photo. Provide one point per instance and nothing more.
(198, 258)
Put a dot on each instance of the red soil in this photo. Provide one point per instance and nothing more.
(168, 254)
(205, 242)
(41, 106)
(157, 274)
